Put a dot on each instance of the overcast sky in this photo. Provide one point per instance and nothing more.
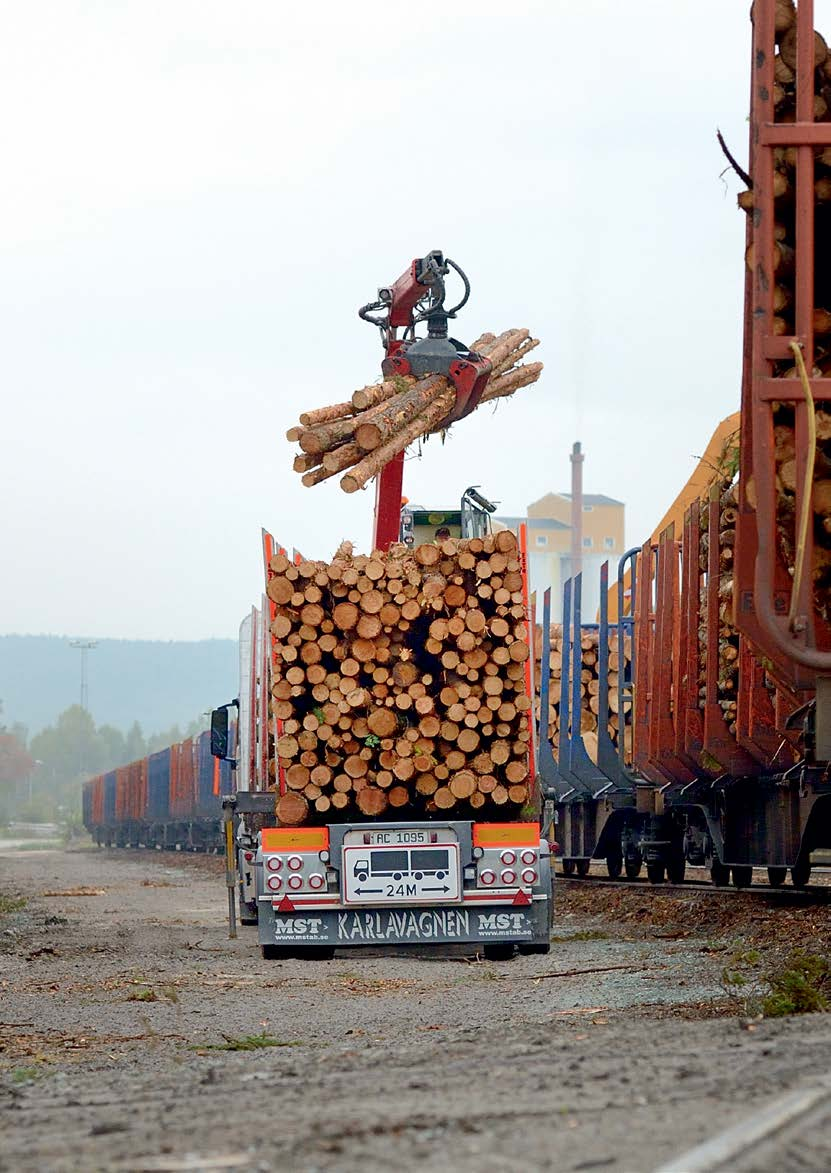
(198, 196)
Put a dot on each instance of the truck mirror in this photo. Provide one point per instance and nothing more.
(219, 733)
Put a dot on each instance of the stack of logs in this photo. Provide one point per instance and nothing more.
(383, 419)
(589, 688)
(784, 192)
(399, 681)
(728, 636)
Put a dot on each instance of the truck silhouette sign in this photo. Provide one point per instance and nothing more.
(416, 862)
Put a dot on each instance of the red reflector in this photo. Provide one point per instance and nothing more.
(521, 898)
(286, 905)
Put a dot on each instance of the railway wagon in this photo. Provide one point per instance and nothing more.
(171, 799)
(727, 608)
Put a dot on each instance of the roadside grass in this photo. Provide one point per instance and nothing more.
(246, 1043)
(142, 994)
(799, 983)
(10, 904)
(27, 1074)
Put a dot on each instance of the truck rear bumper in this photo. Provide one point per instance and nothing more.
(406, 926)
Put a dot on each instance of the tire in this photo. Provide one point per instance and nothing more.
(614, 866)
(527, 948)
(314, 952)
(655, 872)
(274, 952)
(719, 873)
(801, 873)
(583, 866)
(568, 867)
(742, 875)
(777, 877)
(676, 869)
(498, 951)
(632, 865)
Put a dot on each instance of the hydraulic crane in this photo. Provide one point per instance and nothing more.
(419, 296)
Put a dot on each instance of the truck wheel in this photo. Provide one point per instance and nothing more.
(719, 873)
(583, 866)
(315, 952)
(801, 873)
(248, 912)
(533, 947)
(777, 877)
(742, 876)
(568, 867)
(274, 952)
(614, 866)
(498, 951)
(655, 872)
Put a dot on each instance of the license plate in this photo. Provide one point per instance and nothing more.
(401, 875)
(397, 836)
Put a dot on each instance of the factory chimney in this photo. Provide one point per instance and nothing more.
(577, 459)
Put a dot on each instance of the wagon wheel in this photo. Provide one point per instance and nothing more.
(655, 872)
(777, 876)
(568, 867)
(633, 864)
(614, 865)
(583, 866)
(742, 875)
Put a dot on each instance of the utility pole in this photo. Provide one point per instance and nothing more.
(577, 459)
(84, 646)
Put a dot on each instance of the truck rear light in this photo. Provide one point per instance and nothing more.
(248, 856)
(274, 883)
(508, 857)
(324, 856)
(529, 857)
(487, 876)
(295, 882)
(508, 877)
(529, 876)
(316, 880)
(273, 863)
(295, 863)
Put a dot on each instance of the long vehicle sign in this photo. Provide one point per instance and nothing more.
(401, 875)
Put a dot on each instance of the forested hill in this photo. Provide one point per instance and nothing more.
(157, 684)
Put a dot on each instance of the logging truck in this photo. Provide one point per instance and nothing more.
(385, 791)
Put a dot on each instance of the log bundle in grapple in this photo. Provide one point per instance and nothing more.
(381, 420)
(399, 681)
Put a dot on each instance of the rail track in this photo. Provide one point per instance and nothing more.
(816, 893)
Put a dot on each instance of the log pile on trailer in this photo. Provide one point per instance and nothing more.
(589, 687)
(399, 680)
(381, 420)
(786, 442)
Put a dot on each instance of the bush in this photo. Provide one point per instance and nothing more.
(801, 986)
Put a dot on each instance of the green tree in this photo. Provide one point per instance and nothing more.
(136, 746)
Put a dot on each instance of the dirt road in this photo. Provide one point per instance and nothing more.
(123, 1003)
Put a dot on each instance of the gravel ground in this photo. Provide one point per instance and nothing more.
(120, 992)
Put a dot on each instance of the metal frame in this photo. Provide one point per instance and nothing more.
(762, 589)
